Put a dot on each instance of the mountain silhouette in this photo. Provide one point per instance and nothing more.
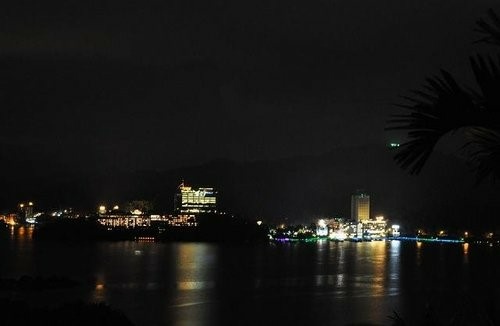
(292, 190)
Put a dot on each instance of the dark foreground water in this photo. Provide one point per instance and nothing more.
(323, 283)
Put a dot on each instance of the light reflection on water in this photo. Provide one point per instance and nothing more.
(201, 283)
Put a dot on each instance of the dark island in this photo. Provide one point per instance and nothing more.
(19, 313)
(209, 228)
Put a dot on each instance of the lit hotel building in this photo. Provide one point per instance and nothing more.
(190, 200)
(374, 229)
(360, 207)
(116, 218)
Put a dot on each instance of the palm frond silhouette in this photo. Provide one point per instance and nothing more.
(443, 106)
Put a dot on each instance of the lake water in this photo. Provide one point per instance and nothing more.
(323, 283)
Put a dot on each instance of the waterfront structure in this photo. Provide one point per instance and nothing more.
(337, 229)
(163, 221)
(189, 200)
(360, 207)
(25, 212)
(182, 220)
(374, 229)
(10, 219)
(119, 219)
(395, 231)
(322, 228)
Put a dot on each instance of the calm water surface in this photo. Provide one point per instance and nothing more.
(323, 283)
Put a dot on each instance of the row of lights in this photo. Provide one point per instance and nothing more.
(22, 204)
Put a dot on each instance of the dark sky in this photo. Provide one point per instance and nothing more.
(161, 84)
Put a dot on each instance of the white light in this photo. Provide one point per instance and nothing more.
(31, 220)
(322, 232)
(395, 227)
(259, 222)
(338, 235)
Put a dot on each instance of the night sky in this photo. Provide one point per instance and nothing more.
(161, 84)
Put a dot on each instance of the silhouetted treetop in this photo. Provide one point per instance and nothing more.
(443, 107)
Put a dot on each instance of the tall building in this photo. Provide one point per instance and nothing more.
(189, 200)
(360, 206)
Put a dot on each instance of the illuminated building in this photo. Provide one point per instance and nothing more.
(10, 219)
(374, 229)
(360, 207)
(174, 220)
(322, 228)
(159, 218)
(335, 224)
(119, 219)
(25, 211)
(182, 220)
(190, 200)
(396, 233)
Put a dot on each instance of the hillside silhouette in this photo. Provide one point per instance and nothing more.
(294, 190)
